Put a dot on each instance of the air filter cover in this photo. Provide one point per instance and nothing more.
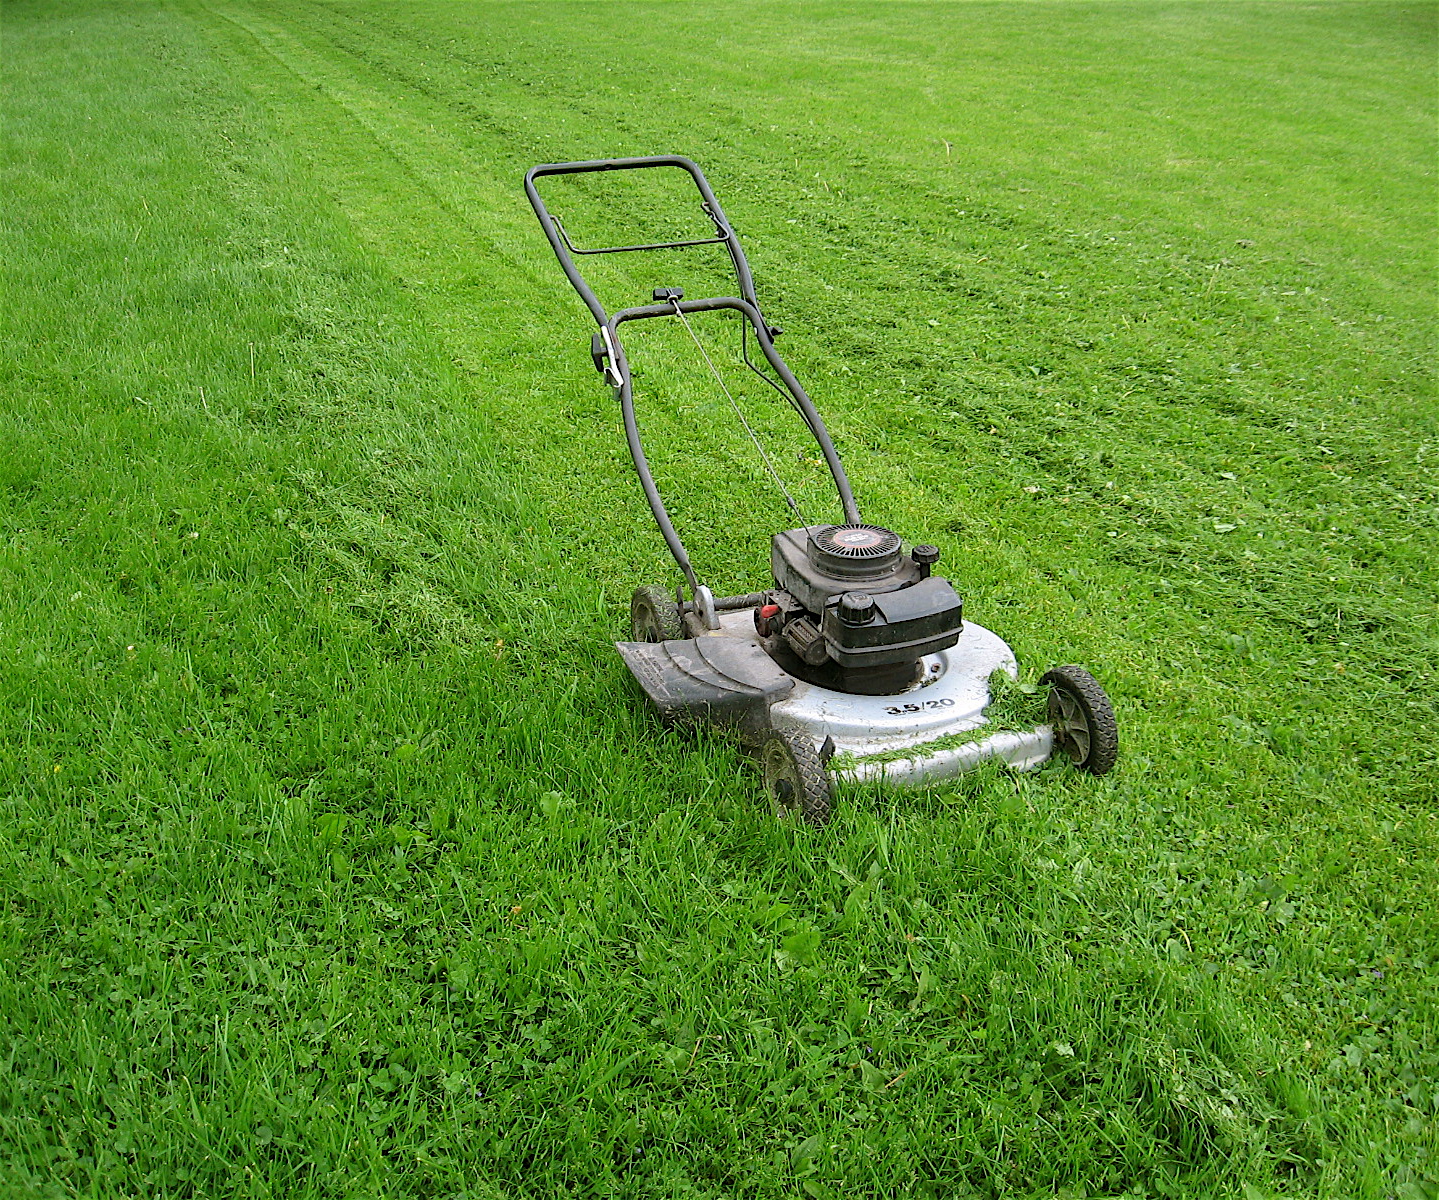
(854, 551)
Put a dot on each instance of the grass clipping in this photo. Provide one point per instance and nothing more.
(1015, 703)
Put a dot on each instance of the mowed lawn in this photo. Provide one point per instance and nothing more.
(338, 854)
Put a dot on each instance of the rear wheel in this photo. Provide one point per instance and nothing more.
(1083, 719)
(654, 616)
(794, 778)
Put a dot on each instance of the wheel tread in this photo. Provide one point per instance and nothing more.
(654, 615)
(1098, 713)
(803, 759)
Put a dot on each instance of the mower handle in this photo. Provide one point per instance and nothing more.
(624, 392)
(565, 250)
(609, 352)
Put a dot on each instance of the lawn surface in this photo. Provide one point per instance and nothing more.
(338, 856)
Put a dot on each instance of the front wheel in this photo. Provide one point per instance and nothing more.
(794, 778)
(1083, 719)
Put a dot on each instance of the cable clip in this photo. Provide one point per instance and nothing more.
(611, 371)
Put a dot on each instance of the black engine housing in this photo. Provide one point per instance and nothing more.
(856, 613)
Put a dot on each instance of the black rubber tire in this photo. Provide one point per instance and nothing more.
(1083, 719)
(794, 778)
(654, 616)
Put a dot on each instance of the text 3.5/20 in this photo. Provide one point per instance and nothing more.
(900, 710)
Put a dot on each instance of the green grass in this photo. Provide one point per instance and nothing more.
(338, 856)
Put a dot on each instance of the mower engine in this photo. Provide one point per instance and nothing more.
(852, 612)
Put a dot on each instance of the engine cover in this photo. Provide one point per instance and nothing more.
(856, 613)
(893, 627)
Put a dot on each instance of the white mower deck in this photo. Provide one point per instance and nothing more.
(917, 736)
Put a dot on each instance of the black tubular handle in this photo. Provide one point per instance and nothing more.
(564, 251)
(617, 371)
(625, 393)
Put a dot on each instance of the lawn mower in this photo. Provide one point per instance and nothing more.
(858, 663)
